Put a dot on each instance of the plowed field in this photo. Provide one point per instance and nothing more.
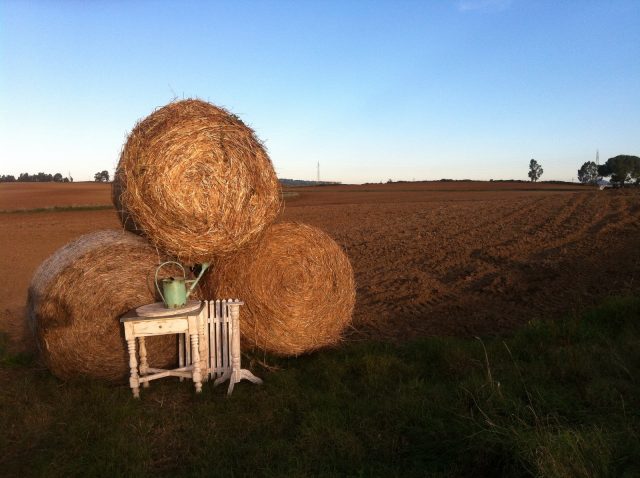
(429, 258)
(20, 196)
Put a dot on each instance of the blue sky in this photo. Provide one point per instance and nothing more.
(372, 90)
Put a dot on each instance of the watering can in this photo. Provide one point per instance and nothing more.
(175, 290)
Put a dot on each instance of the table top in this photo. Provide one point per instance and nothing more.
(159, 309)
(171, 314)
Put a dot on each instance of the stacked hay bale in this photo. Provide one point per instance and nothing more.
(297, 285)
(78, 294)
(196, 181)
(198, 185)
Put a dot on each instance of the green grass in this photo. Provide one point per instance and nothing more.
(99, 207)
(557, 399)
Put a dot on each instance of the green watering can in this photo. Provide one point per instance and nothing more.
(175, 290)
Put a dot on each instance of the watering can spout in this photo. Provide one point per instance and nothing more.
(204, 266)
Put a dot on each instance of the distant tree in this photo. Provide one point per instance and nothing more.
(66, 180)
(38, 178)
(43, 177)
(9, 178)
(588, 173)
(535, 170)
(102, 176)
(621, 168)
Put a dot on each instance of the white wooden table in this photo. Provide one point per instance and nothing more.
(138, 327)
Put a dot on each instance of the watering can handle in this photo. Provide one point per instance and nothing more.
(160, 267)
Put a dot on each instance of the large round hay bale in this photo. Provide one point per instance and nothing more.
(75, 300)
(196, 181)
(297, 285)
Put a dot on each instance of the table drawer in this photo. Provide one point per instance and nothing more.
(160, 326)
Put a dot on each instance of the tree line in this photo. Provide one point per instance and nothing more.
(101, 176)
(622, 169)
(35, 178)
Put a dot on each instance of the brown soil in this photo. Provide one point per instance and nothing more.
(14, 196)
(27, 239)
(429, 258)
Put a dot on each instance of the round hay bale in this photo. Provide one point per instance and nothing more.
(297, 285)
(75, 300)
(196, 181)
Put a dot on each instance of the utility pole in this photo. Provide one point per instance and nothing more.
(318, 175)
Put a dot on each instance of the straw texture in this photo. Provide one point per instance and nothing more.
(77, 296)
(297, 285)
(196, 181)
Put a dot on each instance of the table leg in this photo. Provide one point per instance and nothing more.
(181, 345)
(144, 366)
(197, 376)
(235, 347)
(237, 372)
(187, 350)
(202, 318)
(134, 383)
